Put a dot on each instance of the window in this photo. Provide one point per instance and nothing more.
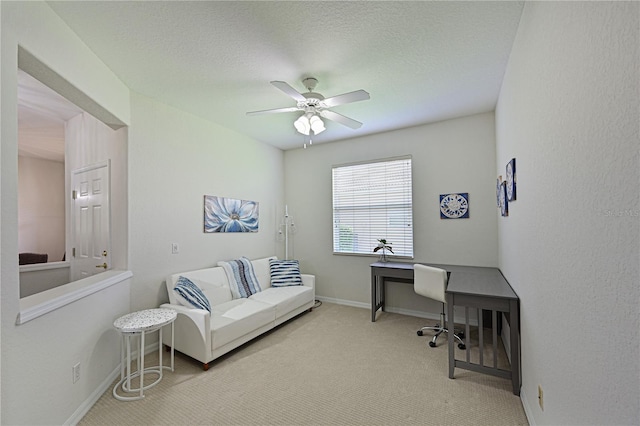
(372, 201)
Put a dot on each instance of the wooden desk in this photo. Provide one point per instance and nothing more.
(484, 289)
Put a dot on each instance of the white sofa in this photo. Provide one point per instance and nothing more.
(232, 322)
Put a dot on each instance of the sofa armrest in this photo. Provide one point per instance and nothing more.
(309, 281)
(201, 318)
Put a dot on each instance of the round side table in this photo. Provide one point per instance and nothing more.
(138, 324)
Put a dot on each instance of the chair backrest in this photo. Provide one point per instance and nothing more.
(430, 282)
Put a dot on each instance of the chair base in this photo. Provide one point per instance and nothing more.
(439, 329)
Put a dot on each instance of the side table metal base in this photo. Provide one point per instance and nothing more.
(139, 324)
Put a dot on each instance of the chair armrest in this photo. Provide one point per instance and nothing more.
(201, 318)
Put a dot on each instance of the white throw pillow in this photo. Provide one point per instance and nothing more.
(242, 278)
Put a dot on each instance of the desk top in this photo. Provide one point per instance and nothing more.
(475, 280)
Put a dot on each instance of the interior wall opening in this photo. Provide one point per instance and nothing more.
(57, 141)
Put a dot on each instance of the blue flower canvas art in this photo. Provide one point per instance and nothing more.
(229, 215)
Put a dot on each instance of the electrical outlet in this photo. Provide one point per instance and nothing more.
(174, 248)
(540, 398)
(76, 372)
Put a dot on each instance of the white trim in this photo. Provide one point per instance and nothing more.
(401, 311)
(44, 266)
(527, 408)
(39, 304)
(93, 398)
(106, 384)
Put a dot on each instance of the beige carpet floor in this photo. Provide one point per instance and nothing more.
(331, 366)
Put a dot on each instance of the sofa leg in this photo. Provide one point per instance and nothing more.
(205, 366)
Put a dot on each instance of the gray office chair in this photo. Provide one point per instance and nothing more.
(432, 283)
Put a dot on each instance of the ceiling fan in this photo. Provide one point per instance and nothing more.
(314, 106)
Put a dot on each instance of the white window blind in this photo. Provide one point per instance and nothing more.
(373, 201)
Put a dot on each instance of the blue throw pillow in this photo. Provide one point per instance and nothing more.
(190, 294)
(285, 273)
(242, 278)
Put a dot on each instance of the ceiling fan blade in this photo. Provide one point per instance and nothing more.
(345, 98)
(274, 111)
(293, 93)
(339, 118)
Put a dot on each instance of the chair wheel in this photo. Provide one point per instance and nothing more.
(432, 344)
(419, 332)
(462, 346)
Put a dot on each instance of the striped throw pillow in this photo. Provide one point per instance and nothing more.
(242, 278)
(190, 294)
(285, 273)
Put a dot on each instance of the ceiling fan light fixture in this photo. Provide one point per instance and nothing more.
(317, 125)
(302, 125)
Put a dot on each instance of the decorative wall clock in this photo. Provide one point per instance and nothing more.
(511, 180)
(454, 206)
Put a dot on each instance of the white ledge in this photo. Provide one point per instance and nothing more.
(44, 266)
(39, 304)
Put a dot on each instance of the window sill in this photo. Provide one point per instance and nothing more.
(40, 304)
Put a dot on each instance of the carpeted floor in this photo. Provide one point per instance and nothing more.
(331, 366)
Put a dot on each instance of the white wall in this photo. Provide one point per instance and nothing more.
(568, 112)
(175, 159)
(37, 357)
(450, 156)
(41, 207)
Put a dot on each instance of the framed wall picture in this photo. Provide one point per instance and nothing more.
(504, 202)
(498, 189)
(511, 180)
(223, 214)
(454, 206)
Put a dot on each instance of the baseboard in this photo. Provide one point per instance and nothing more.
(409, 312)
(102, 388)
(527, 408)
(93, 398)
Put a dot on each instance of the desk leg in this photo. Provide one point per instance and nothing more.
(450, 324)
(514, 323)
(373, 296)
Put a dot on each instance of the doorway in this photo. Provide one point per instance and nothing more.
(90, 220)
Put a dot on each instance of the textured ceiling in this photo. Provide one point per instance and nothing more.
(420, 61)
(41, 117)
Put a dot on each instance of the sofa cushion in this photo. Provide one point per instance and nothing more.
(188, 294)
(234, 319)
(285, 273)
(285, 299)
(242, 278)
(262, 271)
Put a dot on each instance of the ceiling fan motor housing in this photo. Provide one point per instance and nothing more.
(310, 83)
(313, 100)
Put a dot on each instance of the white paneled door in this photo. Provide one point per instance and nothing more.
(90, 221)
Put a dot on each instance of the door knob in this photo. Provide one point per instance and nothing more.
(104, 265)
